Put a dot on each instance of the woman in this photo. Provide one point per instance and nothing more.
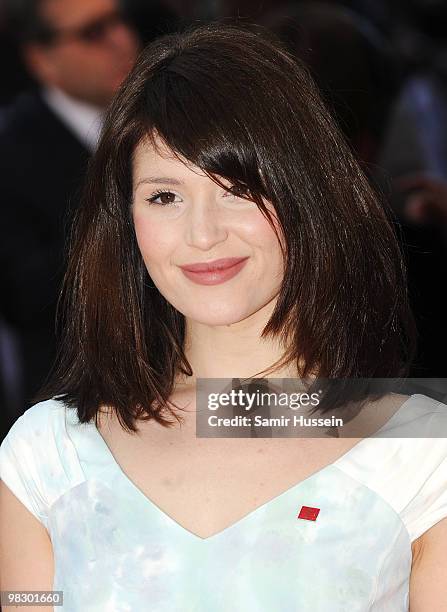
(219, 148)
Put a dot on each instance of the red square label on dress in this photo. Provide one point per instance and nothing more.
(308, 513)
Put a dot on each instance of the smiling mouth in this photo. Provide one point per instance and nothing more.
(213, 266)
(208, 275)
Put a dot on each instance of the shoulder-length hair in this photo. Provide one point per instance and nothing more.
(231, 100)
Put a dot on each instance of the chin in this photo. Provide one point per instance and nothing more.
(215, 317)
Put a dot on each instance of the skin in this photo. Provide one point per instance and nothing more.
(426, 199)
(206, 222)
(88, 71)
(223, 324)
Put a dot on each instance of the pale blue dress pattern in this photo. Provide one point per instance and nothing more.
(116, 551)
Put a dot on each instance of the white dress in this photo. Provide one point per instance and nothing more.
(116, 551)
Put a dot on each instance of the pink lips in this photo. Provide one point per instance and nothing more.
(214, 272)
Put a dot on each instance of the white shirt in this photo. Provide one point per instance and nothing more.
(83, 119)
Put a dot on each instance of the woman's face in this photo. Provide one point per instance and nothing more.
(182, 217)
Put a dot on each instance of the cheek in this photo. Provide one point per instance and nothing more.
(154, 243)
(86, 65)
(273, 265)
(261, 235)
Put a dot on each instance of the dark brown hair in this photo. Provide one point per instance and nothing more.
(233, 102)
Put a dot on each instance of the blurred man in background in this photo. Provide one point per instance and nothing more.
(79, 52)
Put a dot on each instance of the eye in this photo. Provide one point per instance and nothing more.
(238, 192)
(167, 196)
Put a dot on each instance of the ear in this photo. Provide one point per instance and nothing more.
(40, 62)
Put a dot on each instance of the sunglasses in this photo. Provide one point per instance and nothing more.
(90, 33)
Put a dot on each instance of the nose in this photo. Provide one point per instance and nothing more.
(205, 226)
(121, 37)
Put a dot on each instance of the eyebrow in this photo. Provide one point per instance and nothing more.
(164, 180)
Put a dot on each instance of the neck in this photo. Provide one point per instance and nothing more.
(234, 351)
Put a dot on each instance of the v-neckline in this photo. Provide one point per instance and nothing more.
(151, 504)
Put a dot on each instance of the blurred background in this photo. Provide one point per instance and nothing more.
(382, 70)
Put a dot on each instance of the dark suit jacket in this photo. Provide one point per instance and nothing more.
(42, 165)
